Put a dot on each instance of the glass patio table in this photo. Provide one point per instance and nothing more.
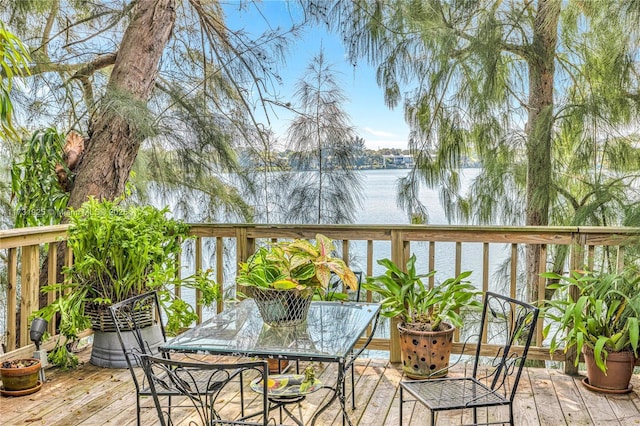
(330, 334)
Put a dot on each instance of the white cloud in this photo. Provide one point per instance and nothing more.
(380, 133)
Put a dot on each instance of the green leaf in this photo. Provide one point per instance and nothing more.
(600, 354)
(633, 334)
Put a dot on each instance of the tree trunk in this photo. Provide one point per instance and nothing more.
(539, 128)
(114, 139)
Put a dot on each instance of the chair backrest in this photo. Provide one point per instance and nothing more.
(203, 384)
(337, 290)
(510, 324)
(137, 321)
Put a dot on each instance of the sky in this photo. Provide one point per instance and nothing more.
(378, 125)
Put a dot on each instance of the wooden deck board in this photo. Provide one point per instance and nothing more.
(525, 405)
(92, 396)
(571, 402)
(546, 399)
(378, 407)
(597, 405)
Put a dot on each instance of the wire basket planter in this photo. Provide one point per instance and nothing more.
(282, 308)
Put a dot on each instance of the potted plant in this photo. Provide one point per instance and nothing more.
(428, 316)
(119, 251)
(20, 376)
(283, 277)
(602, 324)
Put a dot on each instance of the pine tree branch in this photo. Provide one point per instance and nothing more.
(46, 33)
(83, 69)
(89, 68)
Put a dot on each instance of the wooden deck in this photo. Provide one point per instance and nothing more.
(95, 396)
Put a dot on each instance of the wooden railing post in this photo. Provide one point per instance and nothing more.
(369, 266)
(177, 290)
(245, 247)
(52, 278)
(576, 261)
(399, 251)
(345, 257)
(12, 298)
(29, 289)
(198, 269)
(220, 272)
(542, 286)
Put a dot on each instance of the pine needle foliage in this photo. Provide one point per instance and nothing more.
(324, 146)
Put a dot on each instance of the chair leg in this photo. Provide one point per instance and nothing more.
(241, 395)
(137, 409)
(511, 414)
(400, 416)
(475, 415)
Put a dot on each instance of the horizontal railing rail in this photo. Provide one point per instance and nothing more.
(494, 254)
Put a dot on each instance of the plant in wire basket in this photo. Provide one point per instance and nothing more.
(283, 277)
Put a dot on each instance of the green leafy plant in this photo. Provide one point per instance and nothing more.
(404, 295)
(34, 185)
(604, 317)
(299, 264)
(120, 252)
(14, 62)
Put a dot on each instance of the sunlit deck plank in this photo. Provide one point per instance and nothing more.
(524, 404)
(571, 402)
(598, 406)
(547, 404)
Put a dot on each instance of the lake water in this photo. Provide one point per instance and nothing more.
(380, 198)
(380, 208)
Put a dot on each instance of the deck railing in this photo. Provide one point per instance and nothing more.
(494, 254)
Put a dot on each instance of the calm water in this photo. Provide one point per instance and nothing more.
(380, 198)
(381, 208)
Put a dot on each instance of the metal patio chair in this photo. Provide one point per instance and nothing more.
(138, 323)
(190, 379)
(506, 321)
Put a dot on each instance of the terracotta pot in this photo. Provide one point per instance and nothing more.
(276, 366)
(20, 378)
(619, 370)
(425, 352)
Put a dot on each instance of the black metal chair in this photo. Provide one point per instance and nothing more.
(188, 379)
(505, 321)
(138, 323)
(130, 318)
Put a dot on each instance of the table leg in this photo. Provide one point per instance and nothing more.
(338, 393)
(353, 386)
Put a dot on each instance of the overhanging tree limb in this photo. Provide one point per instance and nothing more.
(89, 68)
